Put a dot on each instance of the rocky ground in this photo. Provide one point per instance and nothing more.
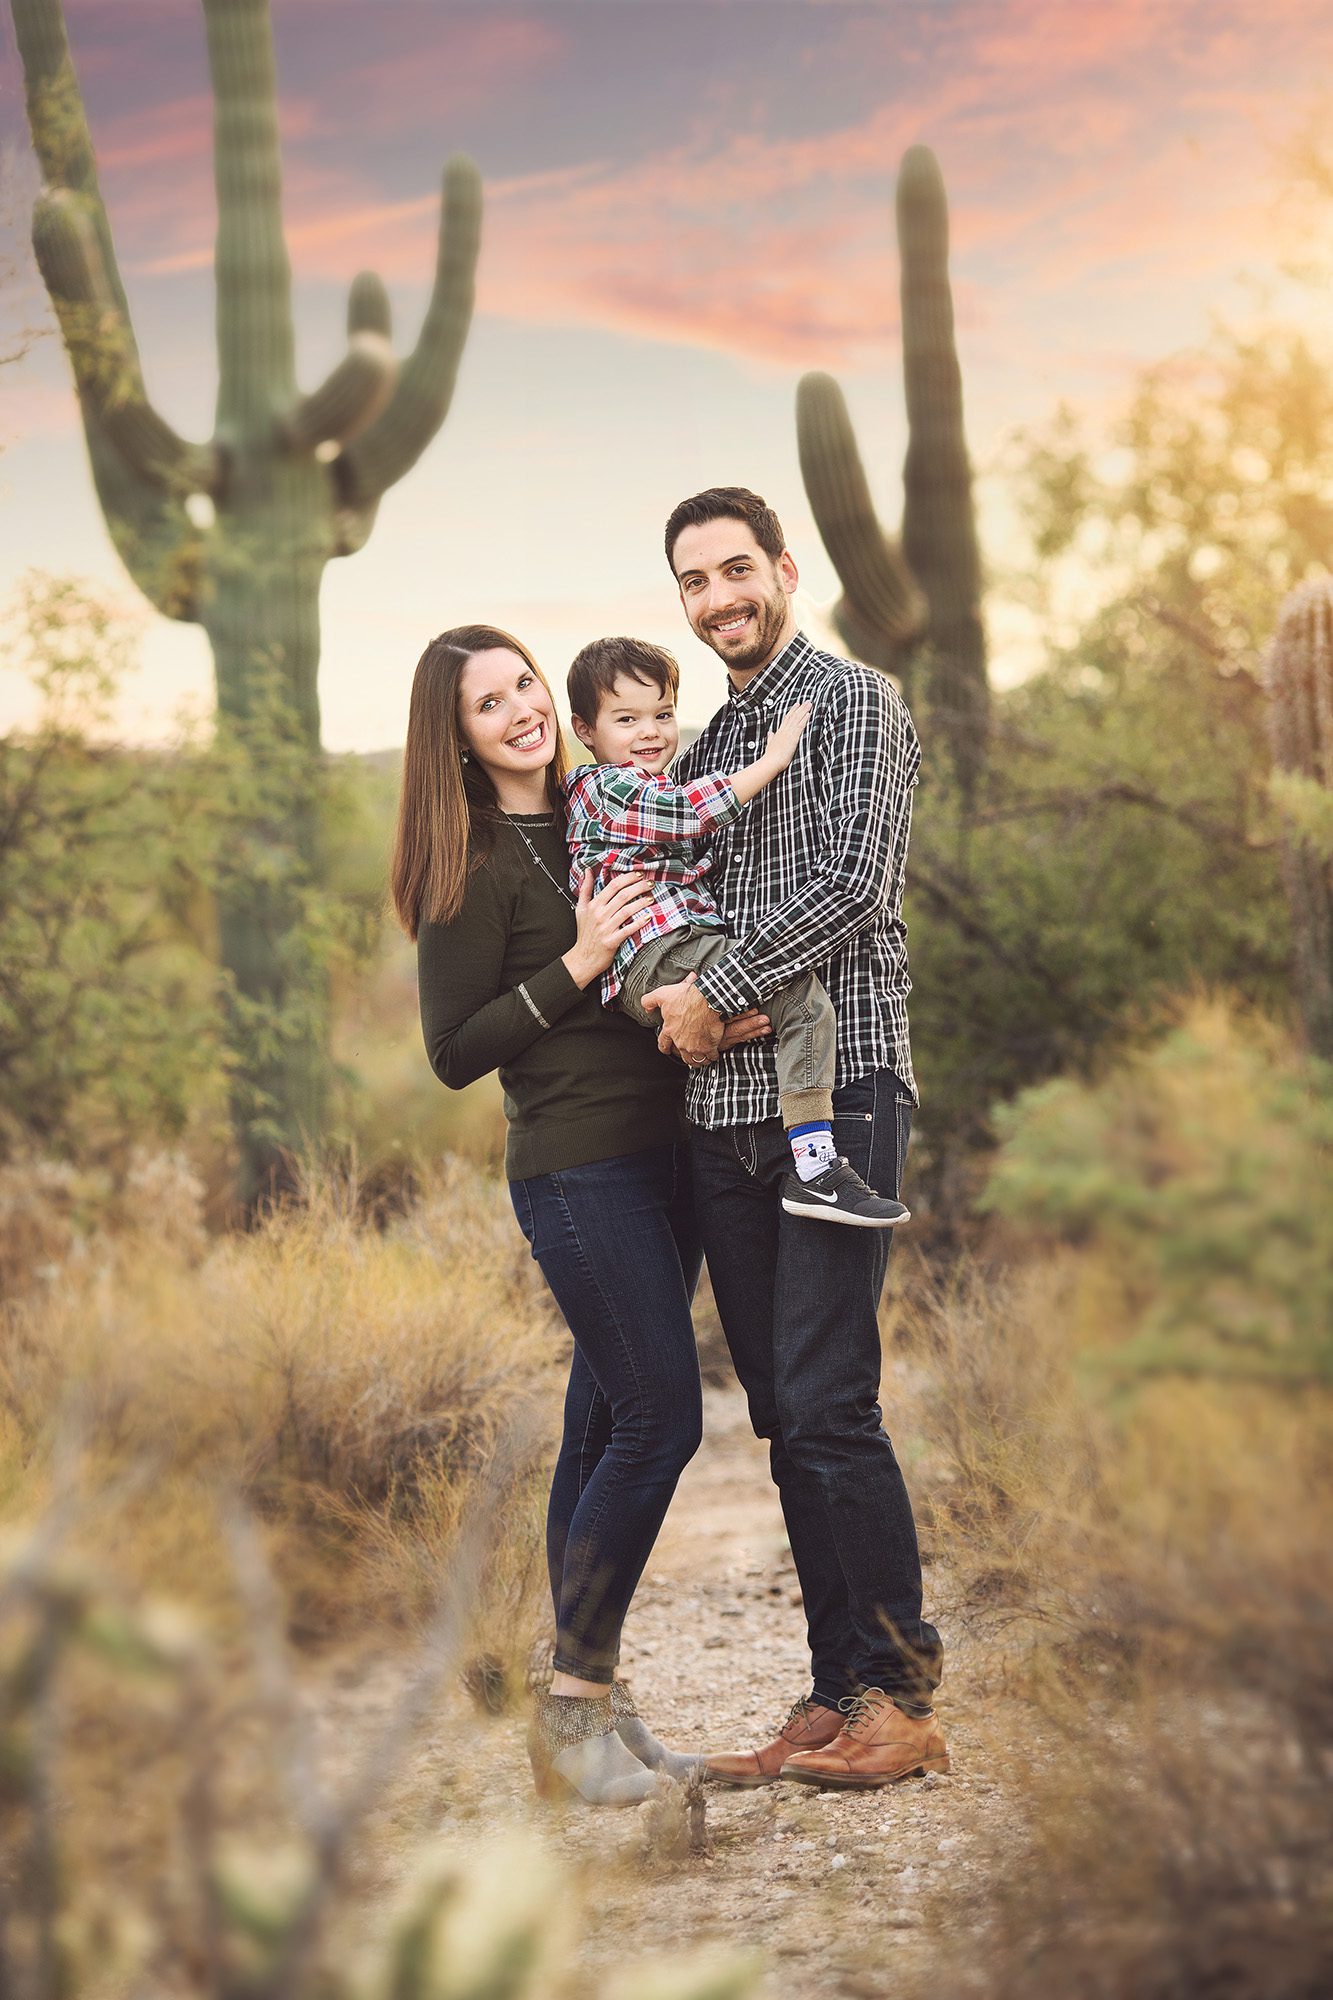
(841, 1893)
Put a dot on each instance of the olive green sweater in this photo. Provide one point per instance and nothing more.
(589, 1085)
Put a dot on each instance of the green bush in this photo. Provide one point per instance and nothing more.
(108, 991)
(1199, 1171)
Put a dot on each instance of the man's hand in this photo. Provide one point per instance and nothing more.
(751, 1027)
(690, 1029)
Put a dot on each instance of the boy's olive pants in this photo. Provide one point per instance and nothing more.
(805, 1027)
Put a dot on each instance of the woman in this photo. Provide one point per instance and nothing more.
(509, 967)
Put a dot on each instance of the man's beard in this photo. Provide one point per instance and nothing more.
(770, 616)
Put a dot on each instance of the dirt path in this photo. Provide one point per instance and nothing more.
(832, 1887)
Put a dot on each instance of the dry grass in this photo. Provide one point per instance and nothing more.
(1137, 1562)
(282, 1434)
(346, 1383)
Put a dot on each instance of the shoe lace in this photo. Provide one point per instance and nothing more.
(800, 1712)
(858, 1708)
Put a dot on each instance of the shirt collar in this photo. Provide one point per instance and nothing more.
(772, 681)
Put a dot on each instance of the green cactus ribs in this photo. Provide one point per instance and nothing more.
(910, 606)
(1300, 716)
(293, 479)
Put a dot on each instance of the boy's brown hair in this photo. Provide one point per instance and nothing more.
(594, 672)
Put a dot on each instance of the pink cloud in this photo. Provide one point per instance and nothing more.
(167, 135)
(1060, 131)
(461, 60)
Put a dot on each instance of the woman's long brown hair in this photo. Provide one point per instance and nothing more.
(448, 812)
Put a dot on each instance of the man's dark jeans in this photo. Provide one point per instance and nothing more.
(618, 1245)
(798, 1301)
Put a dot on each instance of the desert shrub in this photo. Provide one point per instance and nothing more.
(1122, 849)
(1132, 1471)
(347, 1381)
(1199, 1170)
(108, 1029)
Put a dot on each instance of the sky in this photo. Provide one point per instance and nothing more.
(688, 203)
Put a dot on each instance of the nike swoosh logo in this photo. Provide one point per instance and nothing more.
(820, 1197)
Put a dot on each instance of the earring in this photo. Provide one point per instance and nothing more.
(467, 756)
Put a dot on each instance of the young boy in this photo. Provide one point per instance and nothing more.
(623, 813)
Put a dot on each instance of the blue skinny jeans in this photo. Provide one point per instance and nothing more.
(618, 1244)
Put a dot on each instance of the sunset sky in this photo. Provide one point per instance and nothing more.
(688, 203)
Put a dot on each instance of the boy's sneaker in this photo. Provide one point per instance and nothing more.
(840, 1195)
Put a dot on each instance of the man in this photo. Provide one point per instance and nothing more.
(810, 878)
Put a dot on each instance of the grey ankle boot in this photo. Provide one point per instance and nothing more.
(635, 1734)
(574, 1748)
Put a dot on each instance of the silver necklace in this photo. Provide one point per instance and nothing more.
(539, 863)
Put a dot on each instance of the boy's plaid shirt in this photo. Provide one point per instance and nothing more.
(622, 818)
(811, 879)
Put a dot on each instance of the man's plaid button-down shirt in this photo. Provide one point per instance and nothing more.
(810, 877)
(621, 818)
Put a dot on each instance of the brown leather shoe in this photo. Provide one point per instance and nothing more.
(878, 1744)
(809, 1726)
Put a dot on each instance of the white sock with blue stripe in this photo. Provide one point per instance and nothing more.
(813, 1150)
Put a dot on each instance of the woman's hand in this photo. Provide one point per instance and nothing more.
(604, 922)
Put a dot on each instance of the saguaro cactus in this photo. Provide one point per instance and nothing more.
(912, 608)
(234, 534)
(1300, 716)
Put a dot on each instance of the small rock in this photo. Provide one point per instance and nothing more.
(838, 1861)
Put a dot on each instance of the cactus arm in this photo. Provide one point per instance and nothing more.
(937, 476)
(349, 399)
(359, 388)
(353, 521)
(1299, 675)
(102, 348)
(881, 610)
(368, 309)
(58, 122)
(163, 550)
(425, 386)
(256, 347)
(939, 528)
(147, 523)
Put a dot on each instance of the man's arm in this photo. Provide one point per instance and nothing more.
(867, 758)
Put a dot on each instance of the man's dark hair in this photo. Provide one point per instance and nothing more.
(595, 669)
(727, 503)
